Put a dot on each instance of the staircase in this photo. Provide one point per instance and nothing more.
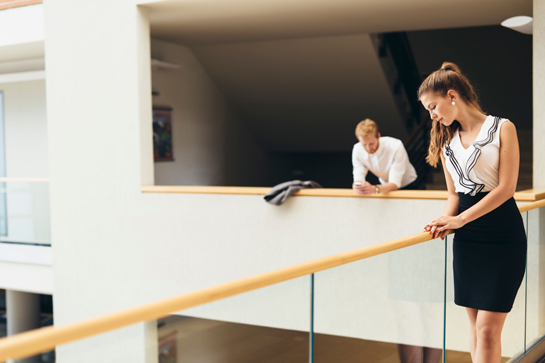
(437, 177)
(399, 67)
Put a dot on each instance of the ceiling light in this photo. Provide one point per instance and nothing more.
(522, 24)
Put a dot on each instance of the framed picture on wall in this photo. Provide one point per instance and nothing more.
(162, 134)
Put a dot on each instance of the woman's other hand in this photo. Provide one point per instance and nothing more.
(436, 234)
(441, 226)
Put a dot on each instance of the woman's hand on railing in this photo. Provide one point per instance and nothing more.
(443, 225)
(436, 234)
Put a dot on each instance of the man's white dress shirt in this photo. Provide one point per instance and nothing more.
(390, 163)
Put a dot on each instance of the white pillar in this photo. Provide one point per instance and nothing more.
(539, 93)
(539, 152)
(22, 314)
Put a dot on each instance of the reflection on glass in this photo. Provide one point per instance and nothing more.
(535, 321)
(188, 339)
(387, 308)
(26, 212)
(270, 324)
(457, 325)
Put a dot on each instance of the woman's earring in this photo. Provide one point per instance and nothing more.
(453, 103)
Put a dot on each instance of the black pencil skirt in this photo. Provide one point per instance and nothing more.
(489, 257)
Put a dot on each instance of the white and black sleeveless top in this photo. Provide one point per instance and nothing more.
(476, 169)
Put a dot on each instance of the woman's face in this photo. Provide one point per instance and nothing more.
(440, 107)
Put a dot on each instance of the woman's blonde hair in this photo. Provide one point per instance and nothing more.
(367, 128)
(448, 77)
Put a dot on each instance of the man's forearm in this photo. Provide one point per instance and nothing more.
(388, 187)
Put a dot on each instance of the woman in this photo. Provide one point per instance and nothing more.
(480, 155)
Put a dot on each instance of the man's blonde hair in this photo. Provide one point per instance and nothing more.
(367, 128)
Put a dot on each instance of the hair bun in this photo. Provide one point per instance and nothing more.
(449, 66)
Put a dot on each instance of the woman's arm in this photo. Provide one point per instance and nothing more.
(507, 183)
(453, 202)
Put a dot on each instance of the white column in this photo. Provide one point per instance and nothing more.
(144, 100)
(22, 314)
(92, 37)
(539, 155)
(539, 93)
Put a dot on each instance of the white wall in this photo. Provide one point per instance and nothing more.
(22, 25)
(199, 113)
(537, 255)
(22, 32)
(539, 93)
(207, 133)
(29, 277)
(26, 129)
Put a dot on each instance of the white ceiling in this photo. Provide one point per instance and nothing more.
(304, 94)
(22, 33)
(302, 73)
(218, 21)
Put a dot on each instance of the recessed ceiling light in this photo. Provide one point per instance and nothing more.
(522, 24)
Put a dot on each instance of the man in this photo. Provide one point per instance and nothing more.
(383, 156)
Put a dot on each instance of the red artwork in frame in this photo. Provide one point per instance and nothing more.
(162, 134)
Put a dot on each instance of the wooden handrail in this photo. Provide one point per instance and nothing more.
(529, 195)
(17, 3)
(30, 343)
(530, 206)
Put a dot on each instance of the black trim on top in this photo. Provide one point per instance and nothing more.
(27, 243)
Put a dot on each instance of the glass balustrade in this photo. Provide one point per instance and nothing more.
(533, 286)
(458, 332)
(522, 325)
(387, 308)
(24, 212)
(394, 307)
(270, 324)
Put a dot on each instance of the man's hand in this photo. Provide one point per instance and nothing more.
(365, 188)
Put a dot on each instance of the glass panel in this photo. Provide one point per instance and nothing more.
(27, 206)
(388, 308)
(266, 325)
(457, 324)
(3, 202)
(270, 325)
(3, 322)
(535, 319)
(3, 211)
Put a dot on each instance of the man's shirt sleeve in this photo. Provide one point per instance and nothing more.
(399, 164)
(358, 169)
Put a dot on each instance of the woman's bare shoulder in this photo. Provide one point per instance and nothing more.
(508, 127)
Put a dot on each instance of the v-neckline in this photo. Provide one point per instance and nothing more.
(476, 138)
